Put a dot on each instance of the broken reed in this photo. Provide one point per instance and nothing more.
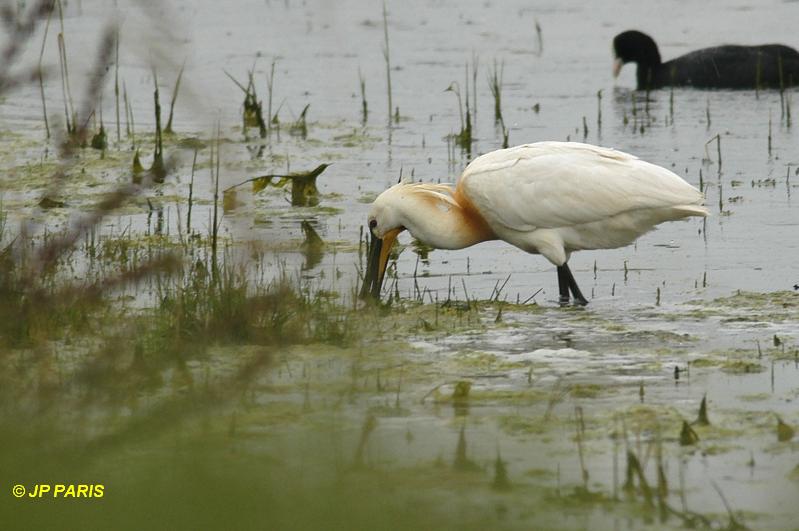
(130, 125)
(717, 138)
(671, 104)
(495, 85)
(69, 107)
(475, 65)
(158, 170)
(168, 129)
(270, 86)
(782, 86)
(769, 131)
(252, 114)
(464, 137)
(599, 111)
(41, 74)
(69, 112)
(788, 99)
(300, 126)
(539, 37)
(116, 87)
(364, 105)
(191, 192)
(387, 58)
(467, 131)
(215, 221)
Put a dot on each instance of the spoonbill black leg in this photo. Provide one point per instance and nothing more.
(578, 296)
(563, 284)
(566, 282)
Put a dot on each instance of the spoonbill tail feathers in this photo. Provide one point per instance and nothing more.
(548, 198)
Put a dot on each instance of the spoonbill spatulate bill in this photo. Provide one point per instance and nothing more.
(547, 198)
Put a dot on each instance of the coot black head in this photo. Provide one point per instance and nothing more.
(635, 47)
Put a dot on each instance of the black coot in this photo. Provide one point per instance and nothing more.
(729, 66)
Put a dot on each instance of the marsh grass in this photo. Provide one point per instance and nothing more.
(495, 75)
(75, 355)
(74, 352)
(168, 129)
(387, 59)
(252, 113)
(463, 138)
(313, 246)
(199, 308)
(158, 169)
(100, 139)
(539, 37)
(130, 125)
(41, 75)
(70, 117)
(116, 88)
(364, 105)
(599, 111)
(300, 125)
(270, 88)
(214, 228)
(702, 418)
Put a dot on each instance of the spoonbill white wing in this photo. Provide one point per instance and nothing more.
(550, 185)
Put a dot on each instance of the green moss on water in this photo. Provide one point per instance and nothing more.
(745, 299)
(540, 473)
(482, 361)
(523, 425)
(730, 361)
(718, 449)
(755, 397)
(367, 198)
(507, 397)
(190, 142)
(586, 390)
(643, 417)
(356, 139)
(742, 367)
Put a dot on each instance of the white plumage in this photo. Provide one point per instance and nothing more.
(556, 197)
(548, 198)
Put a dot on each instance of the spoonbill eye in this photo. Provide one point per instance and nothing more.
(372, 223)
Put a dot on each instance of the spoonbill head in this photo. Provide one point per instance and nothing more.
(547, 198)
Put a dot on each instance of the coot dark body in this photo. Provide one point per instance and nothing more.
(729, 66)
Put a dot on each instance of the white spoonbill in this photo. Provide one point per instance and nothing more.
(548, 198)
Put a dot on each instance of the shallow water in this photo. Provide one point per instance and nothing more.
(319, 51)
(644, 298)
